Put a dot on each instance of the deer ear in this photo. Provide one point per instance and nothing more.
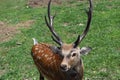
(85, 50)
(55, 49)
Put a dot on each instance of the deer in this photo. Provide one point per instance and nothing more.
(62, 62)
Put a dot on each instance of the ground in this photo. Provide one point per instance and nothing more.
(7, 31)
(20, 21)
(38, 3)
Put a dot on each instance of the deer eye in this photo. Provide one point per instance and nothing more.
(74, 54)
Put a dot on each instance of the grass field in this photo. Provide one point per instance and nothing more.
(103, 63)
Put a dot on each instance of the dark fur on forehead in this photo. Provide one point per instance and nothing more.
(68, 56)
(55, 49)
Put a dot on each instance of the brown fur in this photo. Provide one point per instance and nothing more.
(48, 63)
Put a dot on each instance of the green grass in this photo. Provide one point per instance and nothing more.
(104, 37)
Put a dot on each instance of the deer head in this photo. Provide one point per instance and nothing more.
(69, 52)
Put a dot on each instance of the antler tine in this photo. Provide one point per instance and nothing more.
(89, 14)
(49, 23)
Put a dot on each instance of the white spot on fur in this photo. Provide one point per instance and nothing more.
(36, 48)
(39, 51)
(42, 55)
(51, 63)
(55, 61)
(49, 58)
(46, 55)
(38, 57)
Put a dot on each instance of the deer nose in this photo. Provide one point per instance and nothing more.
(63, 67)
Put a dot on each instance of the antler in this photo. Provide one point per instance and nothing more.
(49, 23)
(80, 37)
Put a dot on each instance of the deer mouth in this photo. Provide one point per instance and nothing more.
(64, 68)
(71, 71)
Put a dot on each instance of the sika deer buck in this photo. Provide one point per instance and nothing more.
(63, 62)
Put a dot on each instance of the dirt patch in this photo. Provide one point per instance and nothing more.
(25, 24)
(2, 72)
(7, 31)
(42, 3)
(38, 3)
